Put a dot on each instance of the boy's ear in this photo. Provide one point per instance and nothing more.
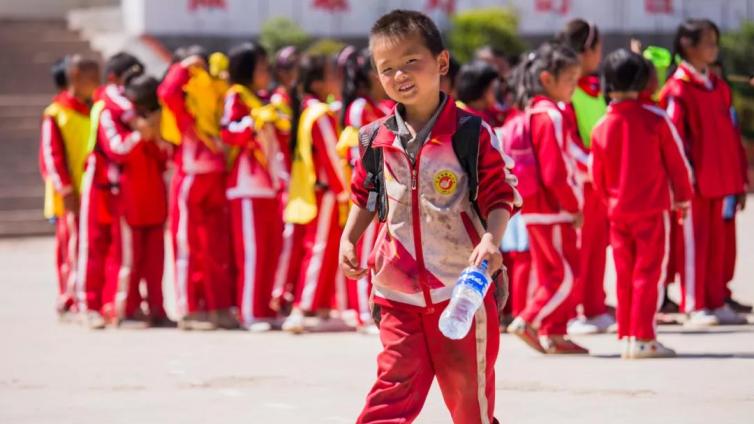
(443, 62)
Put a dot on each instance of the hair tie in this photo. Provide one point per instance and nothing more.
(590, 36)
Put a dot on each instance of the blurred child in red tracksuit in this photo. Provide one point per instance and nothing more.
(98, 262)
(552, 212)
(586, 107)
(700, 105)
(199, 219)
(253, 185)
(362, 97)
(640, 171)
(317, 192)
(62, 152)
(140, 203)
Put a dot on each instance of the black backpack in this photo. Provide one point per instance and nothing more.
(465, 146)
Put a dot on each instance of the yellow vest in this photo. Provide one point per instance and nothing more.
(302, 200)
(74, 128)
(204, 101)
(348, 139)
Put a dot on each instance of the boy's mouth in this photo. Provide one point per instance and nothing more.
(406, 87)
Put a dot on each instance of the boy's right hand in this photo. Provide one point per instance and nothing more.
(349, 263)
(71, 203)
(578, 219)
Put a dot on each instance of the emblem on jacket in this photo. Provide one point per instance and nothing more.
(446, 182)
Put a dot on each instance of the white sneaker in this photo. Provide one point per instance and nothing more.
(369, 330)
(649, 349)
(599, 324)
(727, 316)
(702, 318)
(93, 320)
(257, 326)
(294, 323)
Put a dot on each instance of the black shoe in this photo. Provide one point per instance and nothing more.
(669, 307)
(738, 307)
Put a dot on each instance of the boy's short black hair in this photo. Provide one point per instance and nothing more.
(474, 79)
(624, 70)
(59, 73)
(142, 91)
(120, 63)
(242, 62)
(403, 23)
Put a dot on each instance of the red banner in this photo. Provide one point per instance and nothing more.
(561, 7)
(447, 6)
(331, 5)
(658, 6)
(207, 4)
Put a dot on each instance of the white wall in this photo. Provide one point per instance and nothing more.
(244, 17)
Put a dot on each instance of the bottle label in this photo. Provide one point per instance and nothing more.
(476, 280)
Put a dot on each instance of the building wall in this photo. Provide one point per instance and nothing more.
(46, 9)
(538, 17)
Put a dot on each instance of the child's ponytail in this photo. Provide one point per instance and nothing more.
(311, 69)
(551, 57)
(356, 69)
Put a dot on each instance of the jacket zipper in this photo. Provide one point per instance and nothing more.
(416, 226)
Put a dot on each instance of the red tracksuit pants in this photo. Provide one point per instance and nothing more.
(415, 352)
(199, 225)
(360, 290)
(641, 250)
(289, 265)
(555, 260)
(257, 235)
(66, 244)
(140, 256)
(522, 281)
(595, 237)
(96, 257)
(701, 256)
(319, 278)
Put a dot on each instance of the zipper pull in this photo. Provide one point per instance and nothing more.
(413, 179)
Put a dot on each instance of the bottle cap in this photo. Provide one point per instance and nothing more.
(484, 265)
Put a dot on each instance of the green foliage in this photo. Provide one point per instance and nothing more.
(495, 26)
(326, 46)
(280, 32)
(738, 50)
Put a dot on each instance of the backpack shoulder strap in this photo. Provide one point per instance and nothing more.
(371, 160)
(466, 148)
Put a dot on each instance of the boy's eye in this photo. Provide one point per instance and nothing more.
(386, 71)
(410, 61)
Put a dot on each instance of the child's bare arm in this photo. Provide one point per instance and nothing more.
(489, 247)
(358, 221)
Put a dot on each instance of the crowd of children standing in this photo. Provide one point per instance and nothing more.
(262, 148)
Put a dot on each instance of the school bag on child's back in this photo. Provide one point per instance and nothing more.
(515, 137)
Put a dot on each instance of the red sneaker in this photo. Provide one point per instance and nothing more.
(527, 333)
(559, 345)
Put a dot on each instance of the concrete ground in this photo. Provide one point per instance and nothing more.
(62, 373)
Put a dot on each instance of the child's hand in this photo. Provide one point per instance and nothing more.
(682, 209)
(486, 249)
(741, 201)
(71, 203)
(146, 128)
(348, 261)
(578, 219)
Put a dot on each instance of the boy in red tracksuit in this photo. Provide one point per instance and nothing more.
(140, 202)
(62, 152)
(199, 221)
(253, 185)
(640, 171)
(317, 193)
(700, 105)
(97, 262)
(552, 213)
(431, 233)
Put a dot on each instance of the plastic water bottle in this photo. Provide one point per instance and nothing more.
(467, 297)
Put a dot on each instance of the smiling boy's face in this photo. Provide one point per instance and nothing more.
(407, 69)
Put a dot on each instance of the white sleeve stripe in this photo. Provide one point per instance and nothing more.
(328, 134)
(356, 112)
(228, 109)
(676, 137)
(240, 126)
(114, 140)
(557, 121)
(114, 94)
(52, 172)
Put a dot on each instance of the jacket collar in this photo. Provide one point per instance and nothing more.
(66, 100)
(590, 84)
(687, 72)
(444, 126)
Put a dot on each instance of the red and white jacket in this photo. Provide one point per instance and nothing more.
(432, 226)
(141, 195)
(700, 106)
(53, 164)
(560, 195)
(254, 171)
(192, 156)
(360, 112)
(638, 164)
(324, 153)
